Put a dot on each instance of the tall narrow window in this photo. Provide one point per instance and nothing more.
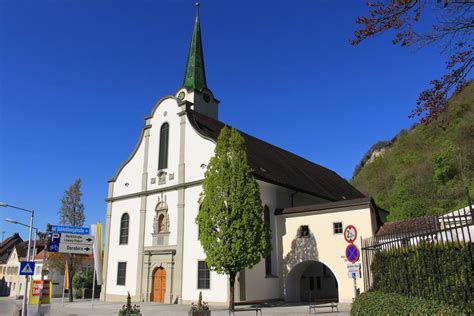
(124, 223)
(268, 258)
(204, 275)
(121, 273)
(164, 135)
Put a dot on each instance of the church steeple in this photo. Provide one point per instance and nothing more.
(195, 76)
(194, 89)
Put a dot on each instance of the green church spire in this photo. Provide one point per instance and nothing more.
(195, 77)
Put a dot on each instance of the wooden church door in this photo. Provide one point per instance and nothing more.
(159, 285)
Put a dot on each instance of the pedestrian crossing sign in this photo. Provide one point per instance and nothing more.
(27, 268)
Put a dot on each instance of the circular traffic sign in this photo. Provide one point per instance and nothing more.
(350, 233)
(352, 253)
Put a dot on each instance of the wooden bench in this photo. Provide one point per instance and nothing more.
(313, 306)
(322, 303)
(248, 306)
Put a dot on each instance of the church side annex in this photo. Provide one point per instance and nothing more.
(152, 249)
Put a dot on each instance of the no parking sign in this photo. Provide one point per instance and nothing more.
(352, 253)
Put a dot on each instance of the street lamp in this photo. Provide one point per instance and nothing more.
(12, 221)
(24, 311)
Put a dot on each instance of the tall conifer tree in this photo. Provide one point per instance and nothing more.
(72, 213)
(231, 227)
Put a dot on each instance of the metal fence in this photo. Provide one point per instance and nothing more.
(454, 227)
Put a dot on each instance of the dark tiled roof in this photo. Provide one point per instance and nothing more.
(417, 224)
(278, 166)
(22, 248)
(7, 245)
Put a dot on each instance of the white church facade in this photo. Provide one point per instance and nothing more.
(152, 249)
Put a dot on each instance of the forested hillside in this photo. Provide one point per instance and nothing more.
(424, 170)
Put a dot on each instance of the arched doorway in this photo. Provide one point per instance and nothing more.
(311, 278)
(159, 285)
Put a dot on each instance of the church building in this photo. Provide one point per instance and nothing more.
(152, 249)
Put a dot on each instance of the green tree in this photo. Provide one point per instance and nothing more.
(72, 213)
(231, 228)
(72, 208)
(83, 280)
(445, 163)
(427, 170)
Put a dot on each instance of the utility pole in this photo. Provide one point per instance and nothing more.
(43, 269)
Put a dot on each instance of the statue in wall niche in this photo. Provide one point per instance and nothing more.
(161, 220)
(155, 225)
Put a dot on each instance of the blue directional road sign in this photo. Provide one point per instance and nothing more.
(70, 230)
(70, 243)
(27, 268)
(54, 240)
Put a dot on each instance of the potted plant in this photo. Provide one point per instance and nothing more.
(199, 309)
(129, 309)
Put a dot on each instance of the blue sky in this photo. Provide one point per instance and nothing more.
(77, 79)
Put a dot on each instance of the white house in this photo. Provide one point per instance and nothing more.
(12, 279)
(152, 248)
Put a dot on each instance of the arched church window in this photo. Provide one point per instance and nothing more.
(163, 155)
(124, 223)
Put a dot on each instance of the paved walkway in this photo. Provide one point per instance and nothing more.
(84, 307)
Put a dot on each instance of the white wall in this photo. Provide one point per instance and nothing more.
(198, 151)
(259, 286)
(127, 253)
(129, 179)
(330, 247)
(193, 252)
(13, 279)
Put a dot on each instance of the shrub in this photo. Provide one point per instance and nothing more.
(201, 306)
(82, 280)
(379, 303)
(440, 272)
(129, 309)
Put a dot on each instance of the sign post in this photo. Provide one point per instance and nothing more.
(352, 254)
(355, 284)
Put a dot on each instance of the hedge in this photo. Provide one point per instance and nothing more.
(379, 303)
(440, 272)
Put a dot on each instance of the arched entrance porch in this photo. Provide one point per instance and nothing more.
(311, 277)
(158, 288)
